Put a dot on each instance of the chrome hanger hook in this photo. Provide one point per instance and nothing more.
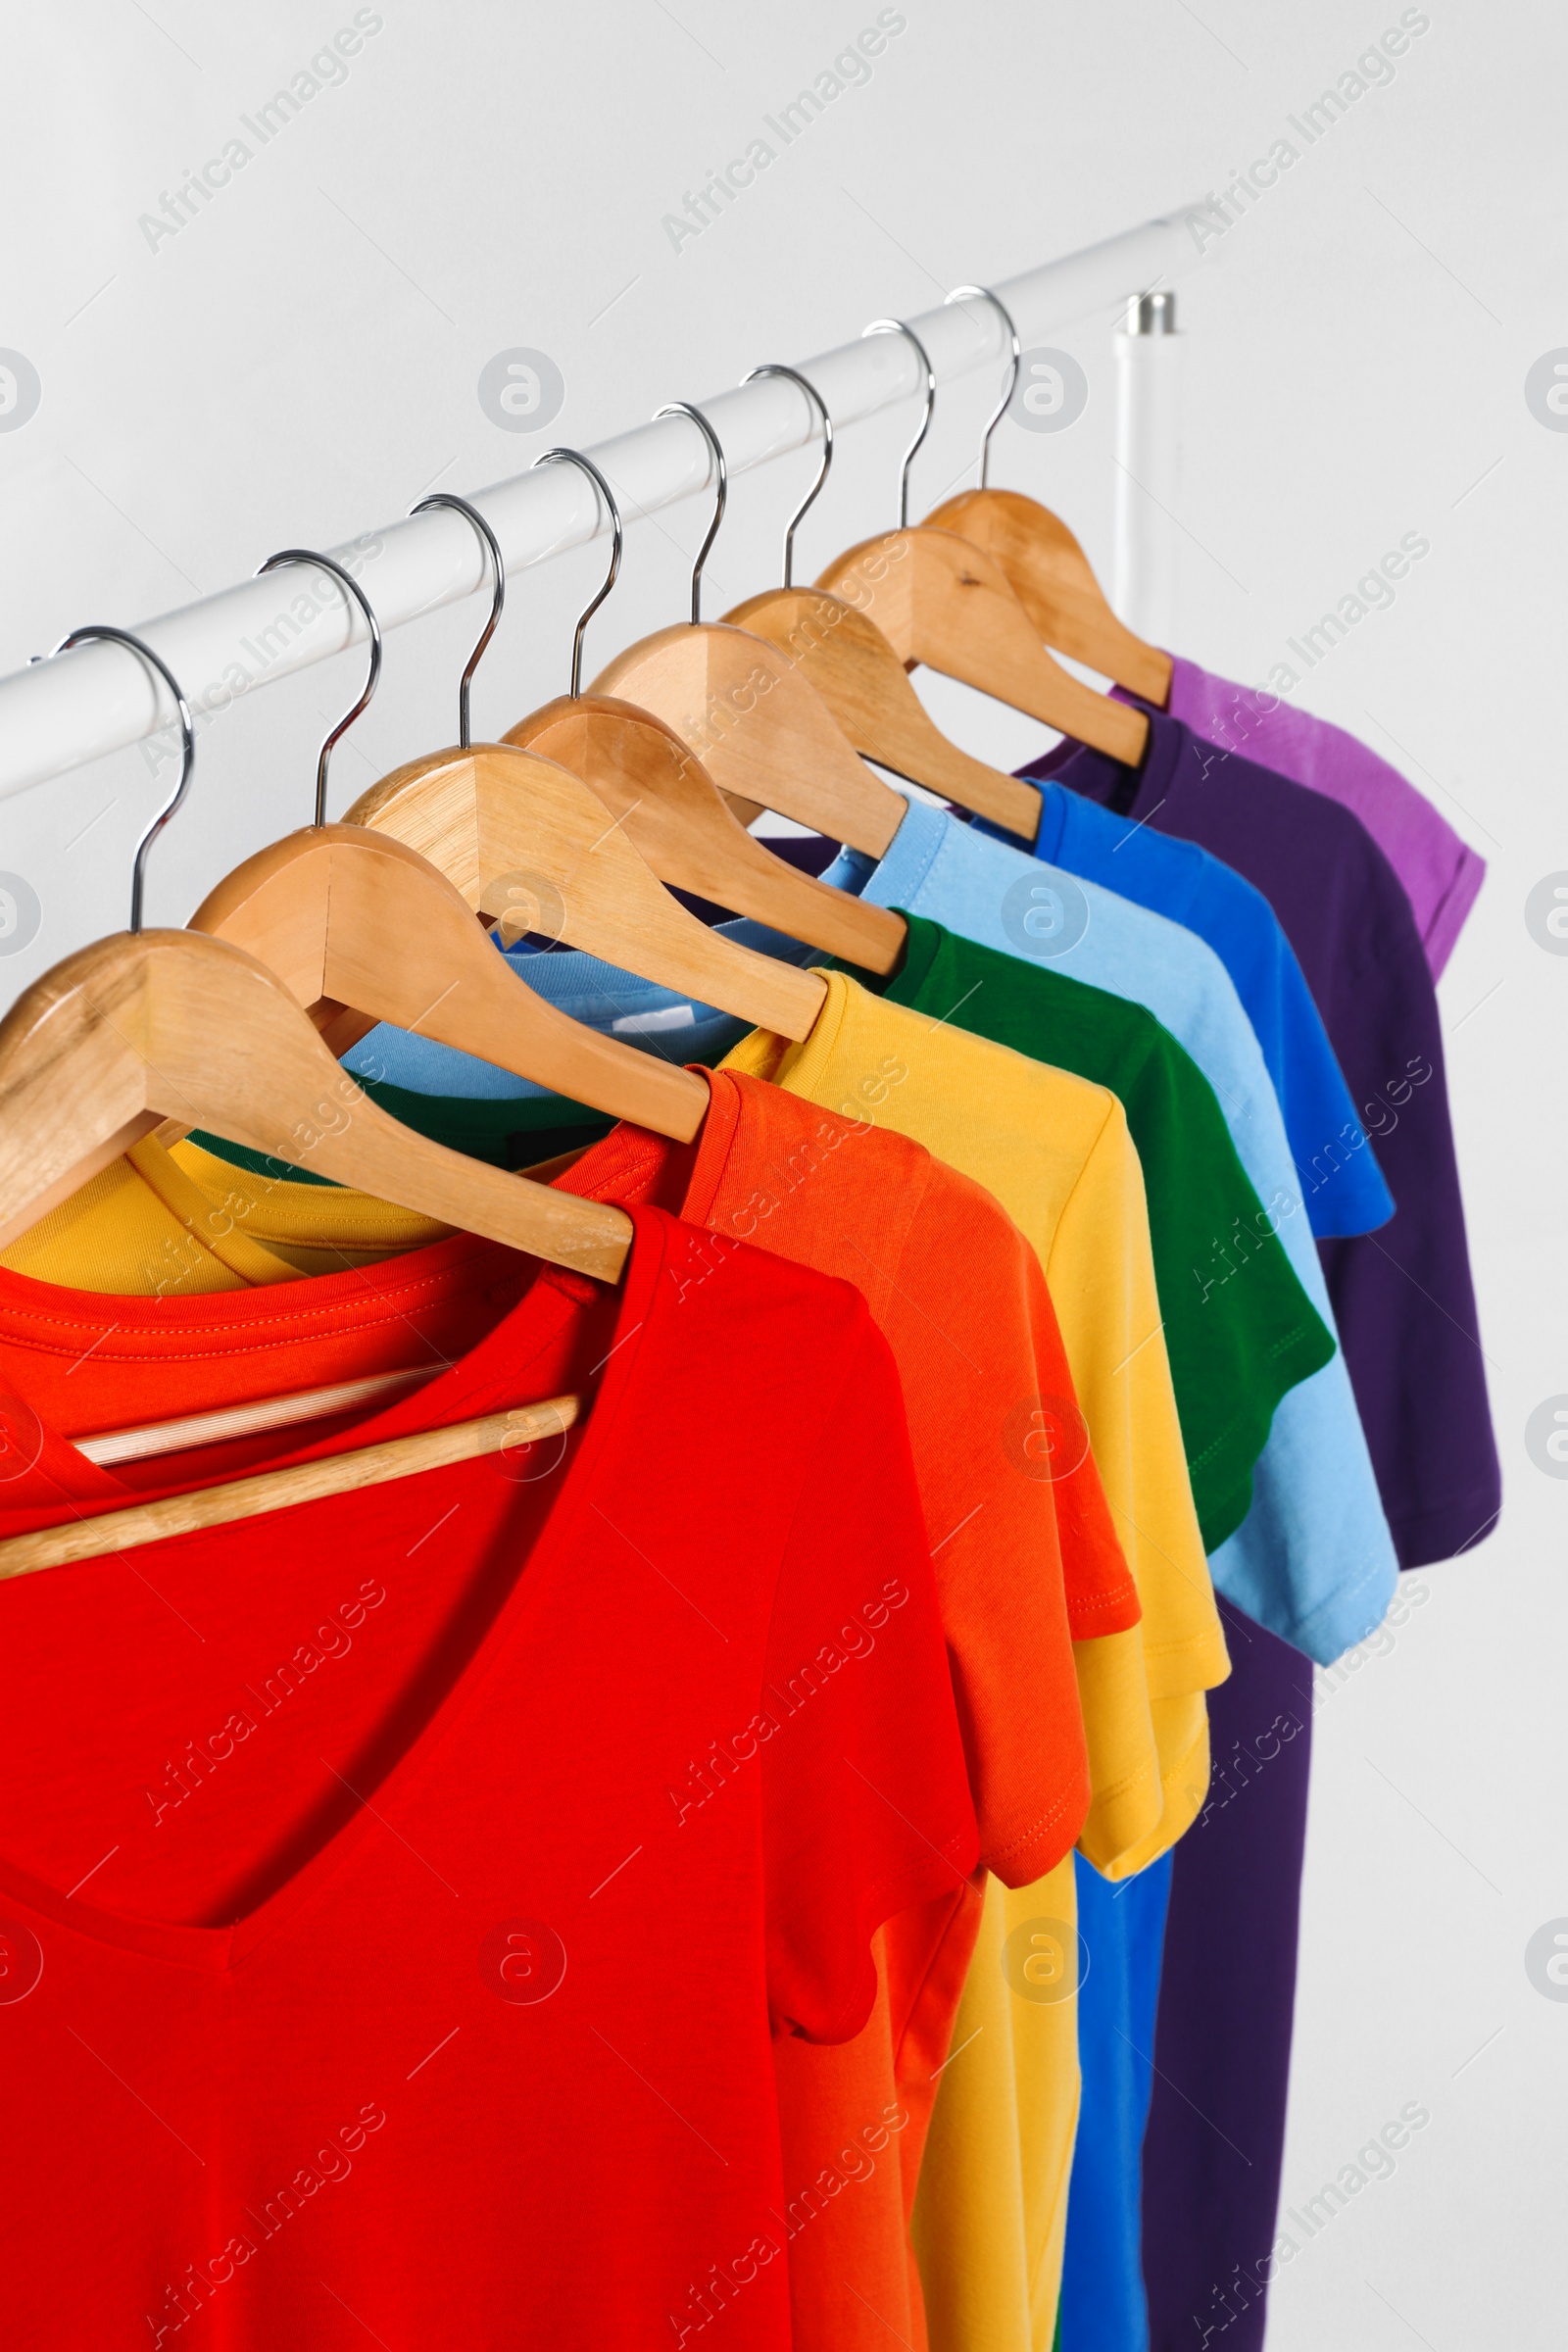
(308, 555)
(100, 631)
(777, 367)
(984, 294)
(897, 326)
(684, 407)
(574, 456)
(460, 506)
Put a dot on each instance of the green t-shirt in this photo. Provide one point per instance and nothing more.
(509, 1131)
(1240, 1330)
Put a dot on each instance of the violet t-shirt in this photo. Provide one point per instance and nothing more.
(1402, 1297)
(1441, 875)
(1214, 2139)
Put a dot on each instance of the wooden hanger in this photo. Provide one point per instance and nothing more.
(91, 1538)
(940, 600)
(761, 732)
(350, 918)
(1047, 569)
(1054, 582)
(108, 1447)
(521, 837)
(680, 823)
(153, 1026)
(759, 728)
(675, 815)
(854, 671)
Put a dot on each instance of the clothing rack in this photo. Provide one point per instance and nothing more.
(60, 714)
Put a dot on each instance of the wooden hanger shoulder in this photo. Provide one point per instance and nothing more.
(1056, 584)
(759, 728)
(943, 600)
(177, 1025)
(525, 840)
(346, 916)
(680, 823)
(850, 663)
(516, 1428)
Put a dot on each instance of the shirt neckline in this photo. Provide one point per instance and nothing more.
(476, 1383)
(1054, 815)
(1134, 792)
(923, 948)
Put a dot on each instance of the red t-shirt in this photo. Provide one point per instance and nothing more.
(366, 1965)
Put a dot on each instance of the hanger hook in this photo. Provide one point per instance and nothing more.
(684, 407)
(574, 456)
(460, 506)
(308, 555)
(777, 367)
(984, 294)
(100, 631)
(897, 326)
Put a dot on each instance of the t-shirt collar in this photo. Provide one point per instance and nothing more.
(1131, 792)
(897, 878)
(478, 1381)
(921, 948)
(1052, 831)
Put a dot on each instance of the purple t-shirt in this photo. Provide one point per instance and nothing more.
(1440, 873)
(1216, 2136)
(1402, 1297)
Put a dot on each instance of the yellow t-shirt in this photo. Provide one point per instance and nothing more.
(182, 1222)
(1053, 1149)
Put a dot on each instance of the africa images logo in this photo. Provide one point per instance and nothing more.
(1546, 1437)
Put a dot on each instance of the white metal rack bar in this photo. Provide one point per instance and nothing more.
(1148, 485)
(98, 699)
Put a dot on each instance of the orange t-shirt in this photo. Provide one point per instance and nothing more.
(958, 1295)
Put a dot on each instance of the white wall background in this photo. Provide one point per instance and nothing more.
(301, 363)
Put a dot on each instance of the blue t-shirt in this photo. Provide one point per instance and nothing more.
(1122, 1930)
(1344, 1189)
(599, 995)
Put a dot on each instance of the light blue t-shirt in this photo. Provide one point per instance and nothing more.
(1340, 1178)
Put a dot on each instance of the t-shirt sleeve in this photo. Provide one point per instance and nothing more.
(1240, 1330)
(1006, 1474)
(865, 1801)
(1101, 1594)
(1403, 1297)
